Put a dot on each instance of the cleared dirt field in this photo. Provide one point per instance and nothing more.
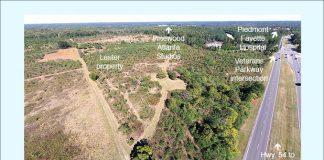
(68, 110)
(63, 120)
(62, 54)
(114, 39)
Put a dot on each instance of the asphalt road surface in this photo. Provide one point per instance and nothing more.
(259, 138)
(294, 60)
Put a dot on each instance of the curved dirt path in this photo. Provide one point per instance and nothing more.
(122, 147)
(167, 85)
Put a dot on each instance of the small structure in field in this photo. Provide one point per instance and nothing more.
(216, 44)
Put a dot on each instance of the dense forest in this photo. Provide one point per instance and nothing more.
(296, 40)
(211, 110)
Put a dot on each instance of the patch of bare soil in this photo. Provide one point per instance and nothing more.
(114, 39)
(62, 54)
(65, 100)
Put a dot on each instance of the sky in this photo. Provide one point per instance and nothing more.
(40, 19)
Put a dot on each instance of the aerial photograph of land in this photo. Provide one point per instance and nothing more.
(201, 90)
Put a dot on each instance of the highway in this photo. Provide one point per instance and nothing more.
(259, 138)
(294, 60)
(258, 142)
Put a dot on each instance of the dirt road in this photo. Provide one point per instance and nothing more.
(119, 141)
(45, 76)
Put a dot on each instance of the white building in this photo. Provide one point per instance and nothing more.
(216, 44)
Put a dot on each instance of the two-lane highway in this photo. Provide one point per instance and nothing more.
(258, 142)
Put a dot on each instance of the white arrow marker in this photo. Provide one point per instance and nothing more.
(229, 36)
(168, 30)
(274, 34)
(277, 146)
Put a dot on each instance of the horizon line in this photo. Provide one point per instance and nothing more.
(61, 19)
(165, 22)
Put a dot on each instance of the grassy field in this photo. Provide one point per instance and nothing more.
(249, 122)
(63, 120)
(285, 130)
